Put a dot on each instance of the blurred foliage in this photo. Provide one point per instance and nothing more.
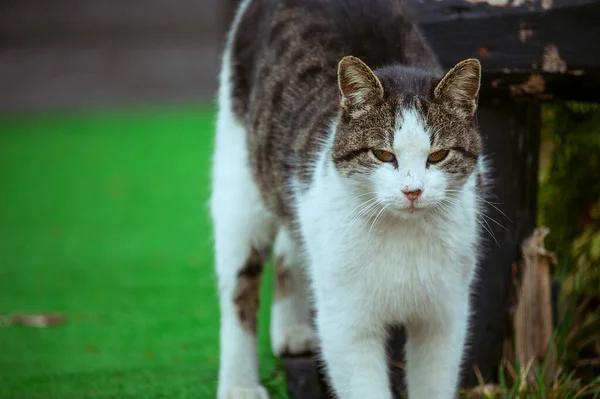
(569, 203)
(570, 181)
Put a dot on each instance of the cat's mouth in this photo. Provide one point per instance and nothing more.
(412, 208)
(406, 210)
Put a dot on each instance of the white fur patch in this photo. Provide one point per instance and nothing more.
(373, 263)
(241, 222)
(291, 326)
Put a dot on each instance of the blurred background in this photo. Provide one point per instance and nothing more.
(71, 54)
(106, 124)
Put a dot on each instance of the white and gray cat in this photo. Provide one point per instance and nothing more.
(362, 182)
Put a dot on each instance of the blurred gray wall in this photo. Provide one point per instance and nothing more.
(57, 54)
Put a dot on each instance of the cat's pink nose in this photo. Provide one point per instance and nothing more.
(412, 194)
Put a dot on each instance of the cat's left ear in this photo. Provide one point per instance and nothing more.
(360, 88)
(459, 88)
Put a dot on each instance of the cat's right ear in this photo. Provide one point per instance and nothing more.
(360, 89)
(459, 88)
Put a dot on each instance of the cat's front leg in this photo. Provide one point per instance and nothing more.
(434, 350)
(353, 350)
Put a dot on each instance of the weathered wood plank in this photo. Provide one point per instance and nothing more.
(574, 85)
(557, 40)
(429, 11)
(511, 134)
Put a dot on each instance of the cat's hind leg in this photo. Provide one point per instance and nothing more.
(243, 231)
(292, 330)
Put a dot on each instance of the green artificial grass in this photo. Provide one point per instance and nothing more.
(105, 217)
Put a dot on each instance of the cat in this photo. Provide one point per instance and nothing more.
(343, 150)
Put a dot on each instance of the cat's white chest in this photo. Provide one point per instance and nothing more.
(392, 270)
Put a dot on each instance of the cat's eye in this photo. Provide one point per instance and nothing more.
(384, 156)
(437, 156)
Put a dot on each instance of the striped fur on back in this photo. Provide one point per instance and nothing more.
(284, 59)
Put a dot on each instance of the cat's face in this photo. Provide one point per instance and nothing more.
(407, 141)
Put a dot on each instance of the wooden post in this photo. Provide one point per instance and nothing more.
(511, 133)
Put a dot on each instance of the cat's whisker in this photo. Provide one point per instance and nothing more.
(493, 205)
(363, 194)
(482, 222)
(377, 217)
(369, 208)
(477, 196)
(364, 210)
(457, 202)
(364, 218)
(489, 230)
(490, 203)
(447, 211)
(372, 193)
(449, 190)
(359, 207)
(352, 224)
(492, 219)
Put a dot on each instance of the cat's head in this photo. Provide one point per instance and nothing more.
(405, 136)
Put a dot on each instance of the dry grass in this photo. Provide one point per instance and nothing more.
(513, 385)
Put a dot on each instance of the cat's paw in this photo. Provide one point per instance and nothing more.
(294, 340)
(257, 392)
